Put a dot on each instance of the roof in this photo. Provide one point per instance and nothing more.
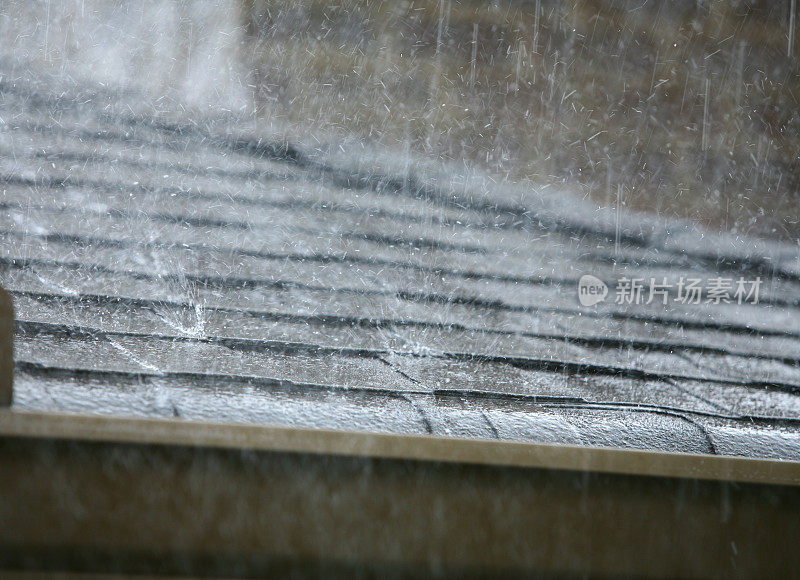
(176, 265)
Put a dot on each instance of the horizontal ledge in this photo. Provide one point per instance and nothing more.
(18, 424)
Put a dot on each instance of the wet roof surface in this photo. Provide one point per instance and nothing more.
(168, 267)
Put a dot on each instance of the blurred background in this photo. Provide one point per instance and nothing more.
(687, 108)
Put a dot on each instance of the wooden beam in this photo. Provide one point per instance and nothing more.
(103, 495)
(389, 446)
(6, 348)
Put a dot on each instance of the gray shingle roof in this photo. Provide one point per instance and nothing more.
(176, 266)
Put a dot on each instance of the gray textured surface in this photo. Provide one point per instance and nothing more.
(166, 266)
